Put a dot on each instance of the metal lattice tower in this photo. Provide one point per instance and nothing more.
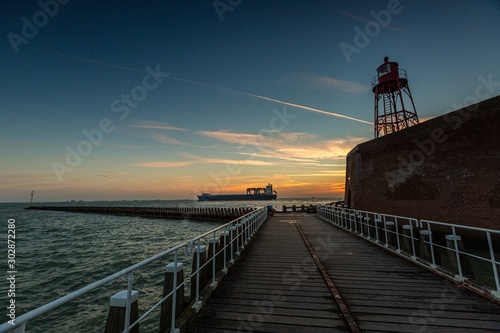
(391, 89)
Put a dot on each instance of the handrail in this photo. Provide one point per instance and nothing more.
(257, 216)
(397, 234)
(239, 234)
(402, 74)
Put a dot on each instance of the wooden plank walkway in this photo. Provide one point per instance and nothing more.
(276, 287)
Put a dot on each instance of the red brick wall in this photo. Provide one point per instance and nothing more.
(445, 169)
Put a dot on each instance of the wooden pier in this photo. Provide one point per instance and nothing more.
(302, 274)
(219, 214)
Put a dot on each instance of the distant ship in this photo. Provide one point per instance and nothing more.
(253, 193)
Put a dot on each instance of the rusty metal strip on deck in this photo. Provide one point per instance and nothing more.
(329, 282)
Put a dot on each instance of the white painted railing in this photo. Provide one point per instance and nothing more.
(238, 234)
(239, 230)
(436, 245)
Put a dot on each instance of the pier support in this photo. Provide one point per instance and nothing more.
(115, 322)
(174, 277)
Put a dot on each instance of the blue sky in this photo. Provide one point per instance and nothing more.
(68, 69)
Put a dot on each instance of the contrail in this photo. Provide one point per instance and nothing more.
(307, 108)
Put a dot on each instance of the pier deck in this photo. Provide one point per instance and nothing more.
(276, 286)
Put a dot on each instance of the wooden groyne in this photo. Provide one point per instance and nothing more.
(179, 213)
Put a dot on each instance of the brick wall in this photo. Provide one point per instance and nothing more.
(445, 169)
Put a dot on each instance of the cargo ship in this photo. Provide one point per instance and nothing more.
(253, 193)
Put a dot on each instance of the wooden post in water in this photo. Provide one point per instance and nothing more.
(198, 279)
(115, 322)
(239, 238)
(224, 255)
(168, 286)
(232, 238)
(245, 230)
(406, 241)
(425, 246)
(465, 265)
(379, 235)
(390, 228)
(359, 225)
(214, 263)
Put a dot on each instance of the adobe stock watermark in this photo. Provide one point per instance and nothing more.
(222, 178)
(427, 147)
(221, 7)
(120, 106)
(30, 27)
(363, 37)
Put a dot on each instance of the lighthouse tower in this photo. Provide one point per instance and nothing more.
(396, 110)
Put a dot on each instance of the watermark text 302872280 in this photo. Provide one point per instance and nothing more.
(11, 270)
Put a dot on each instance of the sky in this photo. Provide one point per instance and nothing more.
(124, 100)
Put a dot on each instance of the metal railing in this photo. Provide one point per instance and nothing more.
(234, 236)
(402, 74)
(240, 231)
(436, 245)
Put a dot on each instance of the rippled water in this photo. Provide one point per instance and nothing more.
(58, 253)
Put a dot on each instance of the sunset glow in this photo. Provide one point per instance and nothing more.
(165, 100)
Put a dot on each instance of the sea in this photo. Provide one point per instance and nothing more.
(57, 253)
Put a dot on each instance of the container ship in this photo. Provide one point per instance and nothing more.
(253, 193)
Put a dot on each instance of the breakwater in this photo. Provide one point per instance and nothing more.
(220, 214)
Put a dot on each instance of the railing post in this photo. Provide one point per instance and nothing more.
(354, 221)
(378, 222)
(116, 321)
(494, 266)
(172, 307)
(359, 221)
(239, 238)
(367, 226)
(248, 228)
